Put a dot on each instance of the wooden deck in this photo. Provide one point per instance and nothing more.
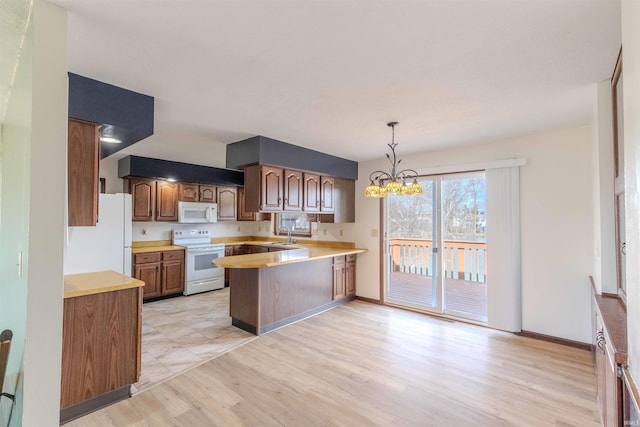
(459, 295)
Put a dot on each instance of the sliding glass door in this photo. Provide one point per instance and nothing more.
(436, 247)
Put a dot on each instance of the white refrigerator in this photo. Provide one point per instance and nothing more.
(107, 246)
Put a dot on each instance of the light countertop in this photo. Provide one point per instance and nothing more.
(76, 285)
(271, 259)
(160, 248)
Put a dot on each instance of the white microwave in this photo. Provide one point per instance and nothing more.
(197, 213)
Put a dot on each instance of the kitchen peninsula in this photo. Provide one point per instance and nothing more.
(272, 289)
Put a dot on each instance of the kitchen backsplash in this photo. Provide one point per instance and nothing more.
(156, 230)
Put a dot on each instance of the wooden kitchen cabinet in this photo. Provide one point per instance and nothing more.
(339, 277)
(188, 192)
(143, 195)
(166, 201)
(101, 350)
(350, 275)
(311, 192)
(293, 191)
(83, 152)
(153, 200)
(263, 187)
(327, 185)
(344, 276)
(244, 214)
(162, 272)
(227, 203)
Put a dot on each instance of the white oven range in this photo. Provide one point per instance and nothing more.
(200, 273)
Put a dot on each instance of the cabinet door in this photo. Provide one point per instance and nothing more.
(82, 172)
(187, 192)
(350, 277)
(243, 215)
(172, 277)
(311, 193)
(143, 194)
(292, 190)
(149, 273)
(339, 278)
(227, 201)
(271, 189)
(207, 193)
(327, 185)
(166, 201)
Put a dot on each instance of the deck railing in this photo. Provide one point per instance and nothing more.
(462, 259)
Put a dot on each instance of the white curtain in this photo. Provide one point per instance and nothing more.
(504, 294)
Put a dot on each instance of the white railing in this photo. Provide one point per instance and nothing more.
(462, 259)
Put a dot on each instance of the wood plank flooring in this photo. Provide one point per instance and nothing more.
(366, 365)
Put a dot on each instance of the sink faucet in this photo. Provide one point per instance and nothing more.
(289, 241)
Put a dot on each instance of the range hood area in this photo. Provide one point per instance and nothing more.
(125, 115)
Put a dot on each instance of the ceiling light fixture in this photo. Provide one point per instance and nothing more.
(393, 182)
(110, 139)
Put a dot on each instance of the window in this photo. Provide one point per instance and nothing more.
(298, 223)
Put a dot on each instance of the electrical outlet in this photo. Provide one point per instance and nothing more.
(324, 231)
(374, 232)
(341, 232)
(144, 231)
(259, 229)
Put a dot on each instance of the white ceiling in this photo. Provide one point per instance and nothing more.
(329, 75)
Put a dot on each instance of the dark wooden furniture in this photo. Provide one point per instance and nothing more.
(292, 190)
(83, 152)
(269, 297)
(227, 198)
(274, 189)
(101, 348)
(5, 345)
(610, 352)
(153, 200)
(166, 201)
(162, 272)
(244, 214)
(188, 192)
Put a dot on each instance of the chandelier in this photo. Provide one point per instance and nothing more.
(393, 182)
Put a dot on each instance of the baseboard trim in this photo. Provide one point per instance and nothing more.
(369, 300)
(557, 340)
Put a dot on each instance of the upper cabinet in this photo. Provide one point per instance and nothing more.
(154, 200)
(82, 159)
(292, 200)
(273, 189)
(227, 203)
(188, 192)
(245, 215)
(263, 188)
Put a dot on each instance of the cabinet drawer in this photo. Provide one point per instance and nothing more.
(172, 255)
(339, 259)
(351, 257)
(145, 258)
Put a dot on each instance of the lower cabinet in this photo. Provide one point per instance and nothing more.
(609, 383)
(101, 350)
(344, 276)
(161, 272)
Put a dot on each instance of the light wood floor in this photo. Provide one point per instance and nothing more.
(367, 365)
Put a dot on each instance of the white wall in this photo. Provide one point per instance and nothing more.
(556, 206)
(631, 74)
(43, 348)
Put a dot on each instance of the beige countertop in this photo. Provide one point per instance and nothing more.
(147, 249)
(144, 247)
(76, 285)
(271, 259)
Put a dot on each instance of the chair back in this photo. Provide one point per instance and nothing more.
(5, 345)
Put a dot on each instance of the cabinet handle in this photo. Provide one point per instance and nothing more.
(279, 200)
